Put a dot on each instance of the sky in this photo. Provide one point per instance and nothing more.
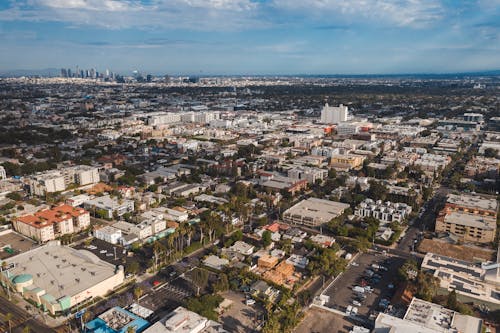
(227, 37)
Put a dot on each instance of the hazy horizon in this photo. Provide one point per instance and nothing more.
(252, 37)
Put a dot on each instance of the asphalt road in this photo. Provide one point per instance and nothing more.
(20, 320)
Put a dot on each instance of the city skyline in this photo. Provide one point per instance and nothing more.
(252, 37)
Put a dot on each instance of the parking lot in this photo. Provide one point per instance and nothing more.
(166, 297)
(239, 317)
(342, 295)
(14, 244)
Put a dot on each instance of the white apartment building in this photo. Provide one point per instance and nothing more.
(386, 212)
(334, 114)
(109, 206)
(176, 215)
(325, 151)
(47, 182)
(164, 119)
(308, 173)
(58, 180)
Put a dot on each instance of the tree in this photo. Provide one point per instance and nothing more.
(131, 329)
(138, 292)
(490, 152)
(451, 300)
(14, 196)
(132, 267)
(27, 329)
(266, 238)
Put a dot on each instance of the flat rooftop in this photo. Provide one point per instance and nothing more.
(61, 270)
(473, 201)
(318, 209)
(471, 220)
(12, 243)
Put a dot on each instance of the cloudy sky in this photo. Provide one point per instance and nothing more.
(252, 36)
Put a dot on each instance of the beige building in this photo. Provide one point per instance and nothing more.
(52, 223)
(58, 278)
(346, 161)
(313, 212)
(468, 227)
(470, 217)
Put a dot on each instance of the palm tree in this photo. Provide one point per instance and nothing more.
(8, 318)
(27, 329)
(131, 329)
(170, 244)
(189, 233)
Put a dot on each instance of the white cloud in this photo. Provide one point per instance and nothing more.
(102, 5)
(210, 15)
(411, 13)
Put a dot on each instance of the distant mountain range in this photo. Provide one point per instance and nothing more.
(52, 72)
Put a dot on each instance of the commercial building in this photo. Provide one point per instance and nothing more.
(426, 317)
(108, 206)
(52, 223)
(59, 278)
(116, 320)
(386, 212)
(334, 114)
(182, 320)
(108, 234)
(479, 283)
(313, 212)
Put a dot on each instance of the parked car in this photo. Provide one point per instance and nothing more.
(356, 303)
(250, 301)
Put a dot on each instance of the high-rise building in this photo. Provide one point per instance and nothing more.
(334, 114)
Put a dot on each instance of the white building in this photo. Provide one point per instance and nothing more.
(176, 215)
(109, 206)
(182, 320)
(47, 182)
(108, 234)
(313, 212)
(308, 173)
(334, 114)
(386, 212)
(58, 278)
(3, 174)
(58, 180)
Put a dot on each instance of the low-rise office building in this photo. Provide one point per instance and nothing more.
(476, 282)
(427, 317)
(313, 212)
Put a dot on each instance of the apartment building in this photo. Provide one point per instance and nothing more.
(310, 174)
(109, 206)
(346, 162)
(470, 217)
(52, 223)
(386, 212)
(58, 180)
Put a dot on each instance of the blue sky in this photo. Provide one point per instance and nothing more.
(252, 36)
